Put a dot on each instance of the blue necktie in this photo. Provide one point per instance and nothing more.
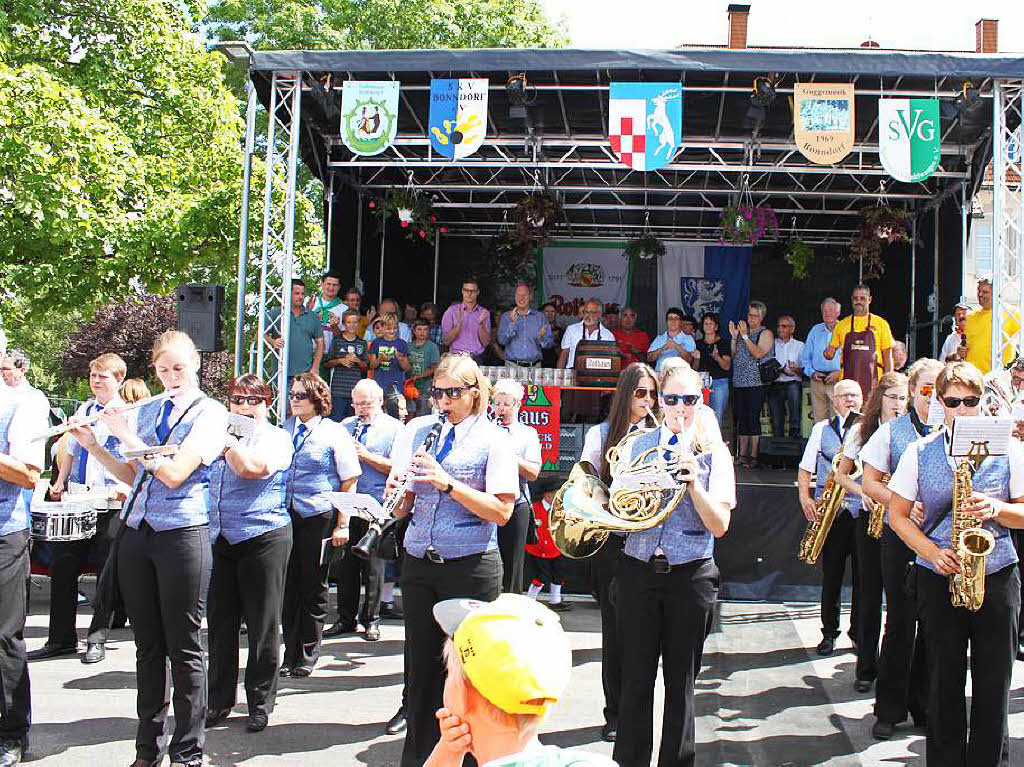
(446, 446)
(361, 437)
(163, 428)
(300, 436)
(673, 440)
(633, 428)
(83, 454)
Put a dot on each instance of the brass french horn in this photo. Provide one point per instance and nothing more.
(585, 512)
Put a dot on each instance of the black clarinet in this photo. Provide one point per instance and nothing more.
(370, 543)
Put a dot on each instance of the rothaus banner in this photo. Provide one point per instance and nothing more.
(909, 138)
(458, 116)
(569, 273)
(823, 121)
(645, 121)
(369, 115)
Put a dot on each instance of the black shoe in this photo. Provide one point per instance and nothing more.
(1020, 652)
(339, 628)
(826, 646)
(94, 652)
(257, 721)
(284, 671)
(10, 752)
(372, 634)
(390, 610)
(396, 724)
(883, 730)
(862, 685)
(216, 716)
(51, 650)
(302, 671)
(560, 607)
(609, 732)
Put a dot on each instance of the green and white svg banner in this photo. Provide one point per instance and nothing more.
(909, 137)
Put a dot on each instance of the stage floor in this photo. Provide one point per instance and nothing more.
(764, 698)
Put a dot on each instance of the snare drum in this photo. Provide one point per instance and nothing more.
(63, 521)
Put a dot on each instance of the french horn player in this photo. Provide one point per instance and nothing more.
(988, 628)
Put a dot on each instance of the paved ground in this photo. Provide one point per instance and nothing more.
(763, 700)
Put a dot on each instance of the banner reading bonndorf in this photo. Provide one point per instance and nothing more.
(369, 115)
(572, 273)
(823, 121)
(909, 140)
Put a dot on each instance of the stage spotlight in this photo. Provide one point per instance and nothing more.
(761, 98)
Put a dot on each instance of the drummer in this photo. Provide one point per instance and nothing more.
(70, 558)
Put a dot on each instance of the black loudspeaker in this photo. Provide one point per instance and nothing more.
(199, 315)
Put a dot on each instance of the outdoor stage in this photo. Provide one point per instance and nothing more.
(763, 698)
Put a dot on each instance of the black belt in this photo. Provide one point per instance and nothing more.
(659, 563)
(533, 364)
(432, 556)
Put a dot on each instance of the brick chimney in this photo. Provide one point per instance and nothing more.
(738, 16)
(986, 36)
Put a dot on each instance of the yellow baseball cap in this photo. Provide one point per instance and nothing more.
(513, 650)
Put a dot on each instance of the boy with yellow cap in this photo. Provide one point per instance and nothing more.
(508, 661)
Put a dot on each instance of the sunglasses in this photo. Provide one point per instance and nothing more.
(641, 392)
(243, 399)
(452, 392)
(954, 402)
(689, 400)
(927, 389)
(298, 395)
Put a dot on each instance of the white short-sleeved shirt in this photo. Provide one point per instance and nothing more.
(502, 473)
(272, 444)
(208, 435)
(949, 346)
(526, 441)
(904, 479)
(575, 333)
(346, 460)
(876, 452)
(31, 417)
(852, 443)
(809, 460)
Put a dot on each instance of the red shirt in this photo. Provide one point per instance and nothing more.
(638, 340)
(545, 546)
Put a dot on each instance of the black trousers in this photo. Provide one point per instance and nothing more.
(783, 397)
(991, 633)
(164, 578)
(305, 591)
(15, 700)
(512, 545)
(869, 599)
(545, 570)
(604, 566)
(1017, 536)
(666, 617)
(424, 584)
(353, 574)
(247, 582)
(69, 560)
(840, 545)
(902, 683)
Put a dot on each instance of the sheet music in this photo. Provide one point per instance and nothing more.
(970, 431)
(936, 414)
(241, 426)
(151, 451)
(357, 505)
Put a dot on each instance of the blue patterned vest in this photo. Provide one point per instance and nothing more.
(163, 507)
(683, 536)
(241, 509)
(314, 470)
(13, 506)
(902, 433)
(830, 445)
(78, 454)
(935, 491)
(380, 436)
(438, 520)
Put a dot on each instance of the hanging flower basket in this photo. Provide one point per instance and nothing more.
(413, 211)
(799, 255)
(534, 218)
(747, 224)
(645, 248)
(880, 226)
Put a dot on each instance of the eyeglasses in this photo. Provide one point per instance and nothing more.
(298, 395)
(243, 399)
(368, 403)
(470, 290)
(689, 400)
(453, 392)
(927, 389)
(641, 392)
(954, 402)
(897, 397)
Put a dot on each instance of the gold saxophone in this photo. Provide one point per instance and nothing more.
(972, 544)
(877, 519)
(826, 508)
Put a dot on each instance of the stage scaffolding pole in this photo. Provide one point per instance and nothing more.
(243, 227)
(383, 239)
(357, 279)
(437, 260)
(330, 227)
(1007, 224)
(912, 324)
(935, 284)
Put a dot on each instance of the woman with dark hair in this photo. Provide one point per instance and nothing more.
(252, 536)
(715, 360)
(549, 356)
(635, 396)
(324, 460)
(751, 343)
(888, 401)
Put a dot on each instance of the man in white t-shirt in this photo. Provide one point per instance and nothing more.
(589, 329)
(784, 394)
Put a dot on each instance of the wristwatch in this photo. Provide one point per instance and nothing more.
(448, 490)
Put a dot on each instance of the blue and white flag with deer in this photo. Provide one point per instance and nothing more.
(645, 123)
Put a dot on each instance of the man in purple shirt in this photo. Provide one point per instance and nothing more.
(466, 327)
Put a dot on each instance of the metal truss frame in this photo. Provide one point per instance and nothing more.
(1008, 217)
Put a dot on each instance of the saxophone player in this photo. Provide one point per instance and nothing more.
(926, 473)
(888, 400)
(825, 441)
(902, 684)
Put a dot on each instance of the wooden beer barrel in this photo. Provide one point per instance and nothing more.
(597, 363)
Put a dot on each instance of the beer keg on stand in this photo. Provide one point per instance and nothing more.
(597, 363)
